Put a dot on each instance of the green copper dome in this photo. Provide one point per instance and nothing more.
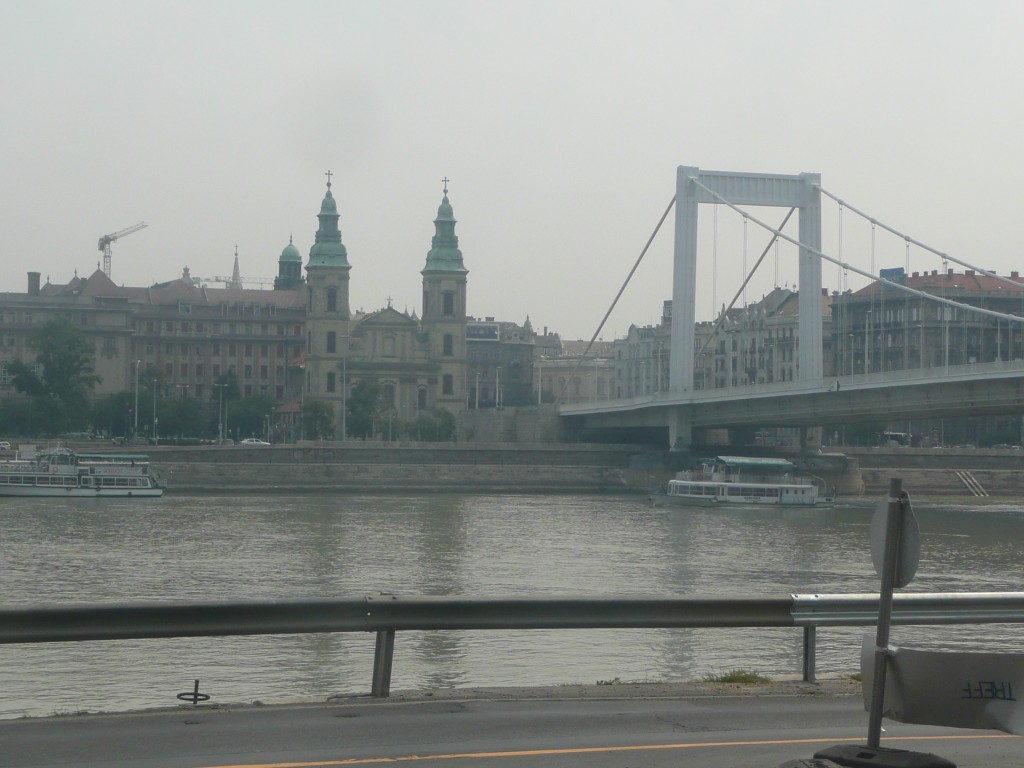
(328, 251)
(444, 254)
(290, 253)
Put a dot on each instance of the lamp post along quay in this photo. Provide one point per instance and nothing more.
(135, 425)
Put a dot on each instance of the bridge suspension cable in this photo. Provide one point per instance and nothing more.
(615, 301)
(743, 288)
(910, 240)
(864, 273)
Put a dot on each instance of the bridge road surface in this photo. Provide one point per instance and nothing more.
(621, 732)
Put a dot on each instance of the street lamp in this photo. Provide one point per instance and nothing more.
(135, 430)
(156, 440)
(344, 391)
(220, 413)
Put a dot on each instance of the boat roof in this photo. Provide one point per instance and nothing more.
(750, 462)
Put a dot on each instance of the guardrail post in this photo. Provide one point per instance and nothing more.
(383, 655)
(810, 647)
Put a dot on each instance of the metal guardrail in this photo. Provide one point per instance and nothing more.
(387, 614)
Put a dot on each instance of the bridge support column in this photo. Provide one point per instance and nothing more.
(680, 429)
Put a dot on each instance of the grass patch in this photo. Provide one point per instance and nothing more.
(744, 676)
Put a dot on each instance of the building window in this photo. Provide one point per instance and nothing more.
(263, 350)
(332, 341)
(447, 387)
(248, 371)
(330, 381)
(263, 371)
(248, 350)
(184, 370)
(332, 299)
(448, 345)
(216, 370)
(449, 303)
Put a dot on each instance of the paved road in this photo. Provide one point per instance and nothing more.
(732, 731)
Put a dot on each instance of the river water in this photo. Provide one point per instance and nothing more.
(331, 546)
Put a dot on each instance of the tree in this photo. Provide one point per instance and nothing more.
(317, 419)
(248, 416)
(364, 406)
(432, 425)
(112, 414)
(61, 379)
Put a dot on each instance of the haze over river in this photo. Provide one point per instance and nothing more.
(204, 548)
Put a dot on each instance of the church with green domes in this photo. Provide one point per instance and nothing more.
(418, 362)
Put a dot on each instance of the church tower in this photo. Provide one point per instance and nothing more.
(444, 309)
(327, 309)
(289, 267)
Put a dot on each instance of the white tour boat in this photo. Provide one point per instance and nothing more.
(745, 482)
(62, 472)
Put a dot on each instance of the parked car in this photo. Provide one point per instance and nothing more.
(253, 441)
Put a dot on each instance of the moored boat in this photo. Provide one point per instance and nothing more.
(743, 482)
(62, 472)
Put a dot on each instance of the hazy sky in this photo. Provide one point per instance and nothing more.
(560, 125)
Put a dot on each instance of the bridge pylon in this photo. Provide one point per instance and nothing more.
(693, 187)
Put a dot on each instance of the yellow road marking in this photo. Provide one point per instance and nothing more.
(590, 750)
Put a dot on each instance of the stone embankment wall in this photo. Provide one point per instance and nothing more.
(368, 466)
(548, 468)
(940, 472)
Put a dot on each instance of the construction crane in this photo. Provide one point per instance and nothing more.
(106, 240)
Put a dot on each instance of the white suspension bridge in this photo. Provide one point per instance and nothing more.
(811, 398)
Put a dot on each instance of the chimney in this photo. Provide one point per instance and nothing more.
(33, 283)
(969, 272)
(949, 273)
(1015, 273)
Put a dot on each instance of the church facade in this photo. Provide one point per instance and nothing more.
(418, 362)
